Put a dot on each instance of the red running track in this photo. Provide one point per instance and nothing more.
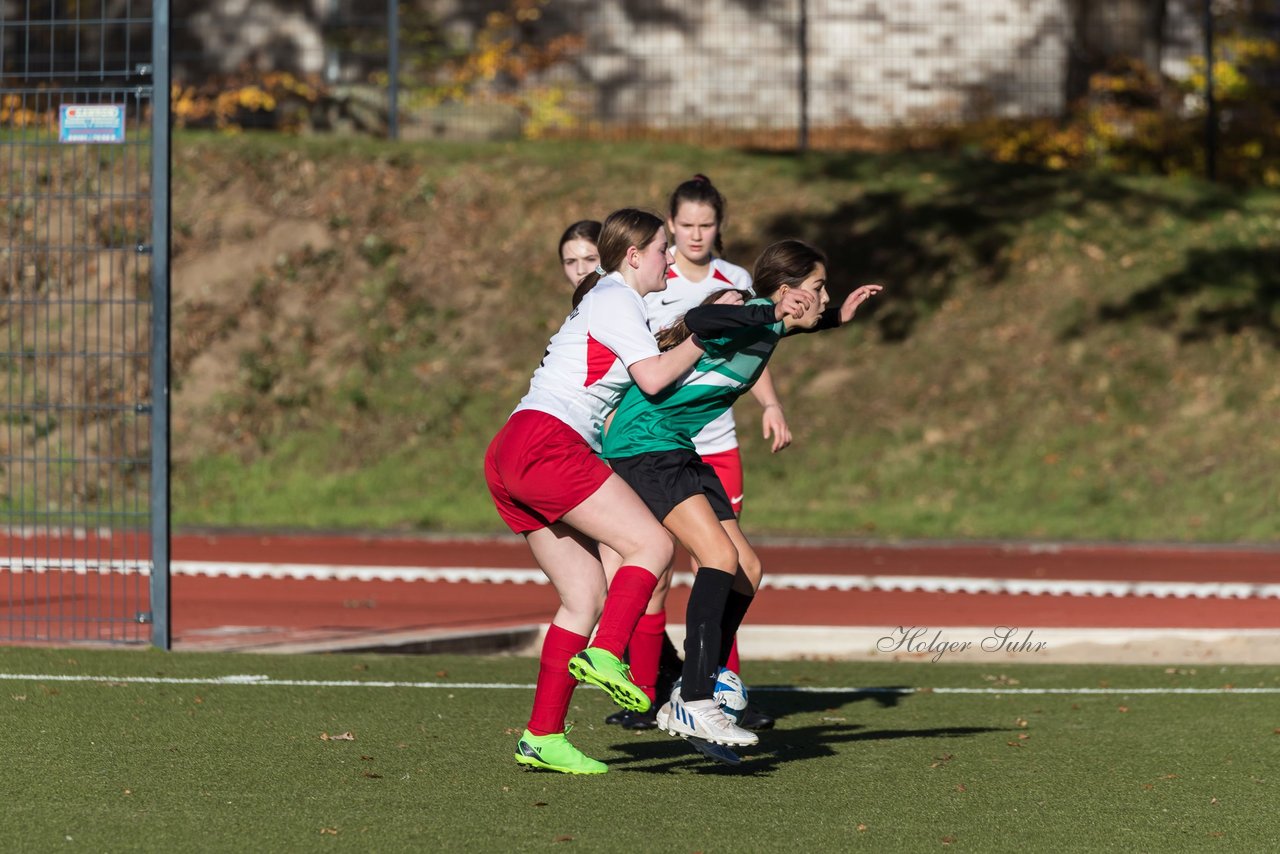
(231, 612)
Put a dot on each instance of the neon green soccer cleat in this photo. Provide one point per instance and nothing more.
(555, 753)
(605, 670)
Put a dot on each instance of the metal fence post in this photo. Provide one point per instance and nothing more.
(160, 199)
(1211, 111)
(393, 69)
(803, 44)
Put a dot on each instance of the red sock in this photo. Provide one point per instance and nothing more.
(734, 663)
(628, 597)
(645, 651)
(555, 685)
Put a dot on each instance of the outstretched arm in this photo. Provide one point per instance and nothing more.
(860, 295)
(838, 315)
(709, 321)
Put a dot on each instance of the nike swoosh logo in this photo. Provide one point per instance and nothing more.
(669, 301)
(737, 499)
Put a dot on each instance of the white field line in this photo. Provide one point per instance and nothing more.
(843, 583)
(267, 681)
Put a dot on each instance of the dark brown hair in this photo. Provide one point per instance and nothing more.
(700, 190)
(621, 230)
(583, 229)
(787, 262)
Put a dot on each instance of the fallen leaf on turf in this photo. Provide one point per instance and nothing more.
(512, 731)
(506, 788)
(1169, 777)
(1015, 744)
(371, 775)
(960, 787)
(1123, 709)
(366, 758)
(539, 803)
(1216, 834)
(332, 831)
(441, 674)
(947, 840)
(1024, 735)
(862, 828)
(1147, 786)
(563, 839)
(21, 697)
(1213, 801)
(342, 736)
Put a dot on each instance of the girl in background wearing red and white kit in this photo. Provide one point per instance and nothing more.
(696, 213)
(579, 250)
(549, 484)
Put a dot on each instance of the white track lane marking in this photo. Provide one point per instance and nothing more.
(267, 681)
(845, 583)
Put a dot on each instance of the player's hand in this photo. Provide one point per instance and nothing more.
(794, 302)
(774, 425)
(729, 297)
(850, 306)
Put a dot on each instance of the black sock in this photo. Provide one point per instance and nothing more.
(703, 617)
(735, 608)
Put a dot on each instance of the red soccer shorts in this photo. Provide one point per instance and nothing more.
(538, 468)
(728, 466)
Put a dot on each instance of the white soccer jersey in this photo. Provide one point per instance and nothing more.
(584, 372)
(666, 307)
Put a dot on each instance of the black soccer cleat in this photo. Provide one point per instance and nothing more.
(756, 720)
(640, 720)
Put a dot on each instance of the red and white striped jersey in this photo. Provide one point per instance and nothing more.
(584, 372)
(666, 307)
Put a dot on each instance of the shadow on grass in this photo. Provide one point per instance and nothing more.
(781, 701)
(946, 218)
(660, 753)
(1218, 292)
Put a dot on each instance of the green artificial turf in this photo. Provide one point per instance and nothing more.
(110, 766)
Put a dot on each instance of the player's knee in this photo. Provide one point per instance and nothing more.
(654, 553)
(723, 557)
(585, 603)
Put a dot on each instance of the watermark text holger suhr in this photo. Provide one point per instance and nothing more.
(920, 640)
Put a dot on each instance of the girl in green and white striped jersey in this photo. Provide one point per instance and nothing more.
(650, 445)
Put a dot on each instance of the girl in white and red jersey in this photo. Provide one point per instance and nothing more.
(696, 213)
(549, 484)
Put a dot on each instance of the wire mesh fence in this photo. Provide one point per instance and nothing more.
(784, 74)
(76, 215)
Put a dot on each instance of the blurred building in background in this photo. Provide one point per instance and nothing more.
(779, 74)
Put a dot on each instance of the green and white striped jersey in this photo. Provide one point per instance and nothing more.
(730, 365)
